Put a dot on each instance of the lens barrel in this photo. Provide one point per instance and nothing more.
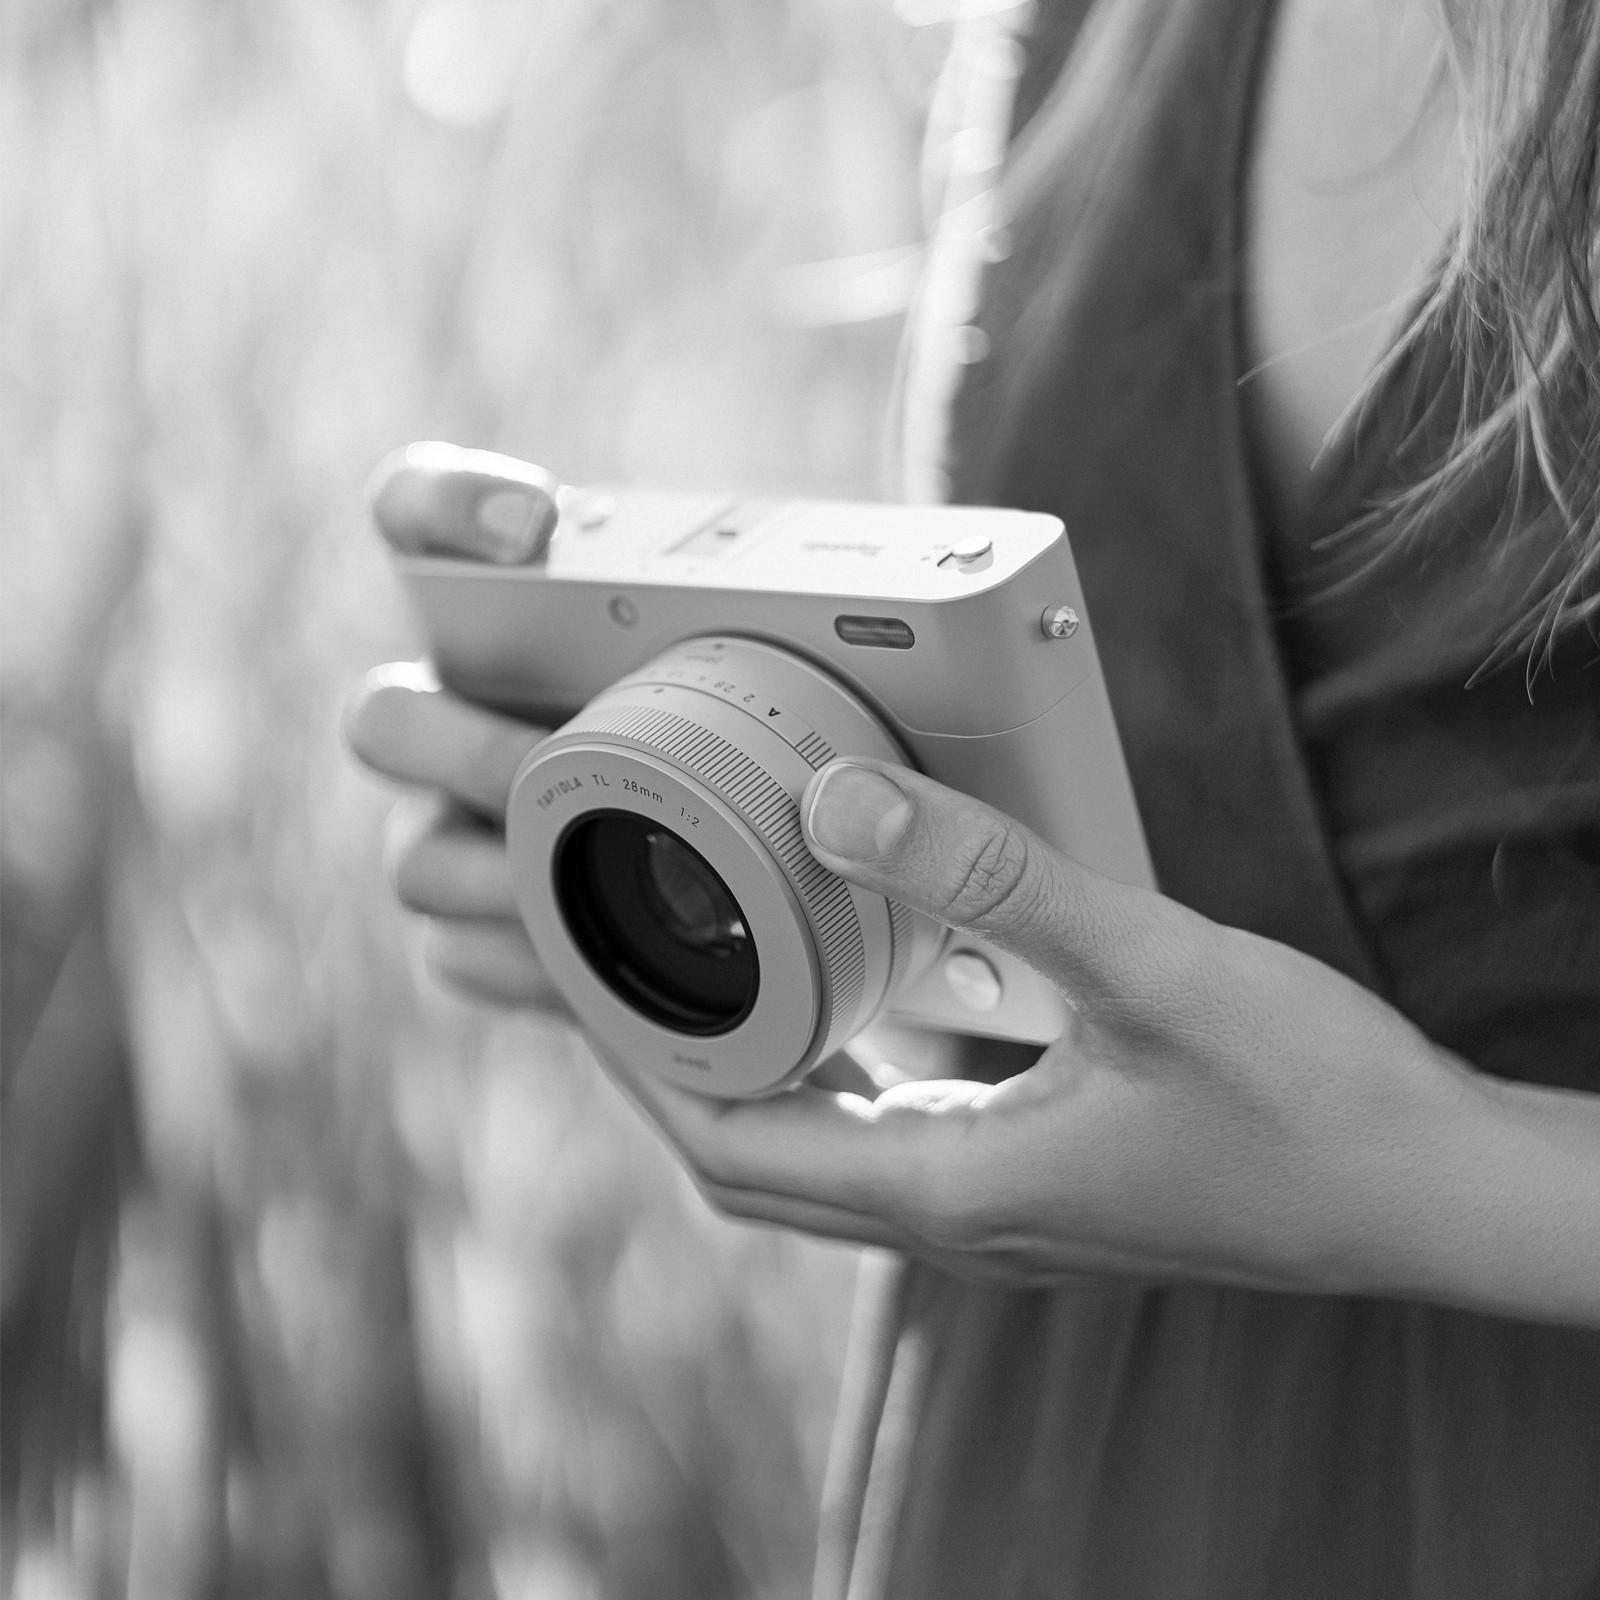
(659, 864)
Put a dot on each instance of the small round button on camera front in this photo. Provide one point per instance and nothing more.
(972, 979)
(623, 611)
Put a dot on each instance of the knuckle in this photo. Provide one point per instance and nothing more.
(981, 1232)
(362, 723)
(496, 755)
(409, 832)
(706, 1158)
(449, 966)
(955, 1202)
(949, 1218)
(713, 1165)
(408, 880)
(990, 880)
(726, 1202)
(939, 1205)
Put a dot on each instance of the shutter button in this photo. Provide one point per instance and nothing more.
(969, 552)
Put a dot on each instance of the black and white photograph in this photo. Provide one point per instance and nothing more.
(800, 800)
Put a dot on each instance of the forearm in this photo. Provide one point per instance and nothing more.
(1502, 1211)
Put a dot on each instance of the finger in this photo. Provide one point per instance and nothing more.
(1027, 1268)
(843, 1074)
(490, 961)
(964, 864)
(413, 733)
(444, 862)
(438, 499)
(914, 1158)
(805, 1216)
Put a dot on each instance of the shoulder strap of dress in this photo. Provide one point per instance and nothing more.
(1109, 397)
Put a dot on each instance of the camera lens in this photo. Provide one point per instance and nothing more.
(656, 845)
(656, 922)
(692, 901)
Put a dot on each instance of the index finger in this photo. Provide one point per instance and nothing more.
(434, 498)
(405, 727)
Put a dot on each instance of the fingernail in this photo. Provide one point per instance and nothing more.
(514, 523)
(417, 676)
(858, 813)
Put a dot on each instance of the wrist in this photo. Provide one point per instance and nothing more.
(1492, 1202)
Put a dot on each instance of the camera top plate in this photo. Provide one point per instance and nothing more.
(872, 552)
(628, 574)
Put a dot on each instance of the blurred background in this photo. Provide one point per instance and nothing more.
(317, 1282)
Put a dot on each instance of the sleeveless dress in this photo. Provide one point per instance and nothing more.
(1329, 769)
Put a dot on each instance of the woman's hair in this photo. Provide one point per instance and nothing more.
(1517, 306)
(1497, 372)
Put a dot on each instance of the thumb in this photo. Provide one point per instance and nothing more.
(966, 865)
(442, 500)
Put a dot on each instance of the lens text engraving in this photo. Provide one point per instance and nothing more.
(560, 787)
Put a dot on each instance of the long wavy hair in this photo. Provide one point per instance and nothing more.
(1507, 333)
(1517, 305)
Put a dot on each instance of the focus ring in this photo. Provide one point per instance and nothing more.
(769, 809)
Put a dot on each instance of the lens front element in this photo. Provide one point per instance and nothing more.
(657, 923)
(691, 899)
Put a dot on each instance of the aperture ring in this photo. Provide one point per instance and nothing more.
(726, 690)
(768, 808)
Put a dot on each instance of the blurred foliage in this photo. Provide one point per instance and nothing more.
(315, 1280)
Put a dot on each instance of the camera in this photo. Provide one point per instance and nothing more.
(701, 658)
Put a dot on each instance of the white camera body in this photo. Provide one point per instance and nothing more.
(702, 657)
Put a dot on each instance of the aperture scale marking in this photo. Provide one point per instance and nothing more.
(793, 730)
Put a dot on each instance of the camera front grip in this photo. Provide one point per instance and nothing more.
(1029, 772)
(1062, 774)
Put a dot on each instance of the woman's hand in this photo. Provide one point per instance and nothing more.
(1217, 1101)
(445, 841)
(1222, 1108)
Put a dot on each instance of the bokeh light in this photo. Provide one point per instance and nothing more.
(463, 57)
(318, 1281)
